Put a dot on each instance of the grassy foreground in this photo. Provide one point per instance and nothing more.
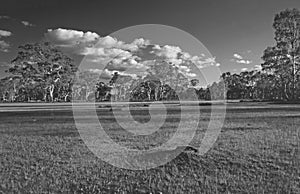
(257, 152)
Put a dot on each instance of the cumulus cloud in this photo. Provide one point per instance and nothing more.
(130, 64)
(167, 51)
(257, 67)
(111, 42)
(4, 33)
(243, 61)
(141, 42)
(237, 56)
(175, 55)
(68, 38)
(240, 60)
(4, 46)
(98, 71)
(27, 24)
(191, 74)
(91, 44)
(126, 58)
(246, 62)
(107, 74)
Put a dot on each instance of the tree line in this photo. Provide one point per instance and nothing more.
(42, 73)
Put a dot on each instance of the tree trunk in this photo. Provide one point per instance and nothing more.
(51, 90)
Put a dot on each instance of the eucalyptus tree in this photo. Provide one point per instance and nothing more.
(283, 59)
(42, 66)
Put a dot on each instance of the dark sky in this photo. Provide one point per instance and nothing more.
(225, 27)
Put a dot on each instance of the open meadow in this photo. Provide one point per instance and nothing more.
(257, 151)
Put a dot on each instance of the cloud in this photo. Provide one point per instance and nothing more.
(240, 60)
(4, 33)
(69, 38)
(27, 24)
(175, 55)
(237, 56)
(107, 72)
(4, 46)
(98, 71)
(169, 52)
(243, 61)
(141, 42)
(4, 64)
(257, 67)
(90, 43)
(191, 74)
(110, 42)
(4, 17)
(126, 58)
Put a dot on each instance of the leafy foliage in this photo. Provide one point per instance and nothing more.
(41, 72)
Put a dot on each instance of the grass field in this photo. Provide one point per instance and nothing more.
(257, 151)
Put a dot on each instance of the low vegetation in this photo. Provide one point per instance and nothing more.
(256, 152)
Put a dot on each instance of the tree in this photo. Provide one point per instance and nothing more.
(42, 66)
(283, 59)
(172, 82)
(87, 84)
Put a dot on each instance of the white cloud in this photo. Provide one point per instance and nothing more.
(240, 60)
(5, 33)
(141, 42)
(237, 56)
(175, 55)
(201, 63)
(243, 61)
(119, 56)
(191, 74)
(257, 67)
(108, 73)
(4, 46)
(106, 52)
(65, 37)
(98, 71)
(168, 52)
(90, 43)
(26, 23)
(110, 42)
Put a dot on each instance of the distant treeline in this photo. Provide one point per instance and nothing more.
(41, 72)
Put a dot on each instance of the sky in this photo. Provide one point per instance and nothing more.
(235, 32)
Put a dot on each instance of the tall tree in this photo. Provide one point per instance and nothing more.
(44, 66)
(283, 59)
